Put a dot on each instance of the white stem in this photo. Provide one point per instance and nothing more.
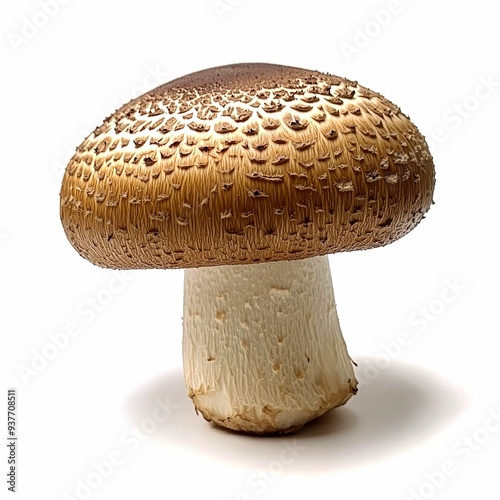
(263, 351)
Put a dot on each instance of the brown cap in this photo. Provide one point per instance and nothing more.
(245, 163)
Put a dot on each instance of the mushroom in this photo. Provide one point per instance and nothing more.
(248, 176)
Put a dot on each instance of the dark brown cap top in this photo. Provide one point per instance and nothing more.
(245, 163)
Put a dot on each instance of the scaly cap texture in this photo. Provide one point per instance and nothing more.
(245, 163)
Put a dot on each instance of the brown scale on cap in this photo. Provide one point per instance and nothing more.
(246, 163)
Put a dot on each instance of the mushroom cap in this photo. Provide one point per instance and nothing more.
(242, 164)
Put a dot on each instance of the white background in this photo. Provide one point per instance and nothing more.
(422, 426)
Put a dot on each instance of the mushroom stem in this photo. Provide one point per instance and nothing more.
(263, 350)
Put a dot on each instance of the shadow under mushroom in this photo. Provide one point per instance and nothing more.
(400, 407)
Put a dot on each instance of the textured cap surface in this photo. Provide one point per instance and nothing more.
(245, 163)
